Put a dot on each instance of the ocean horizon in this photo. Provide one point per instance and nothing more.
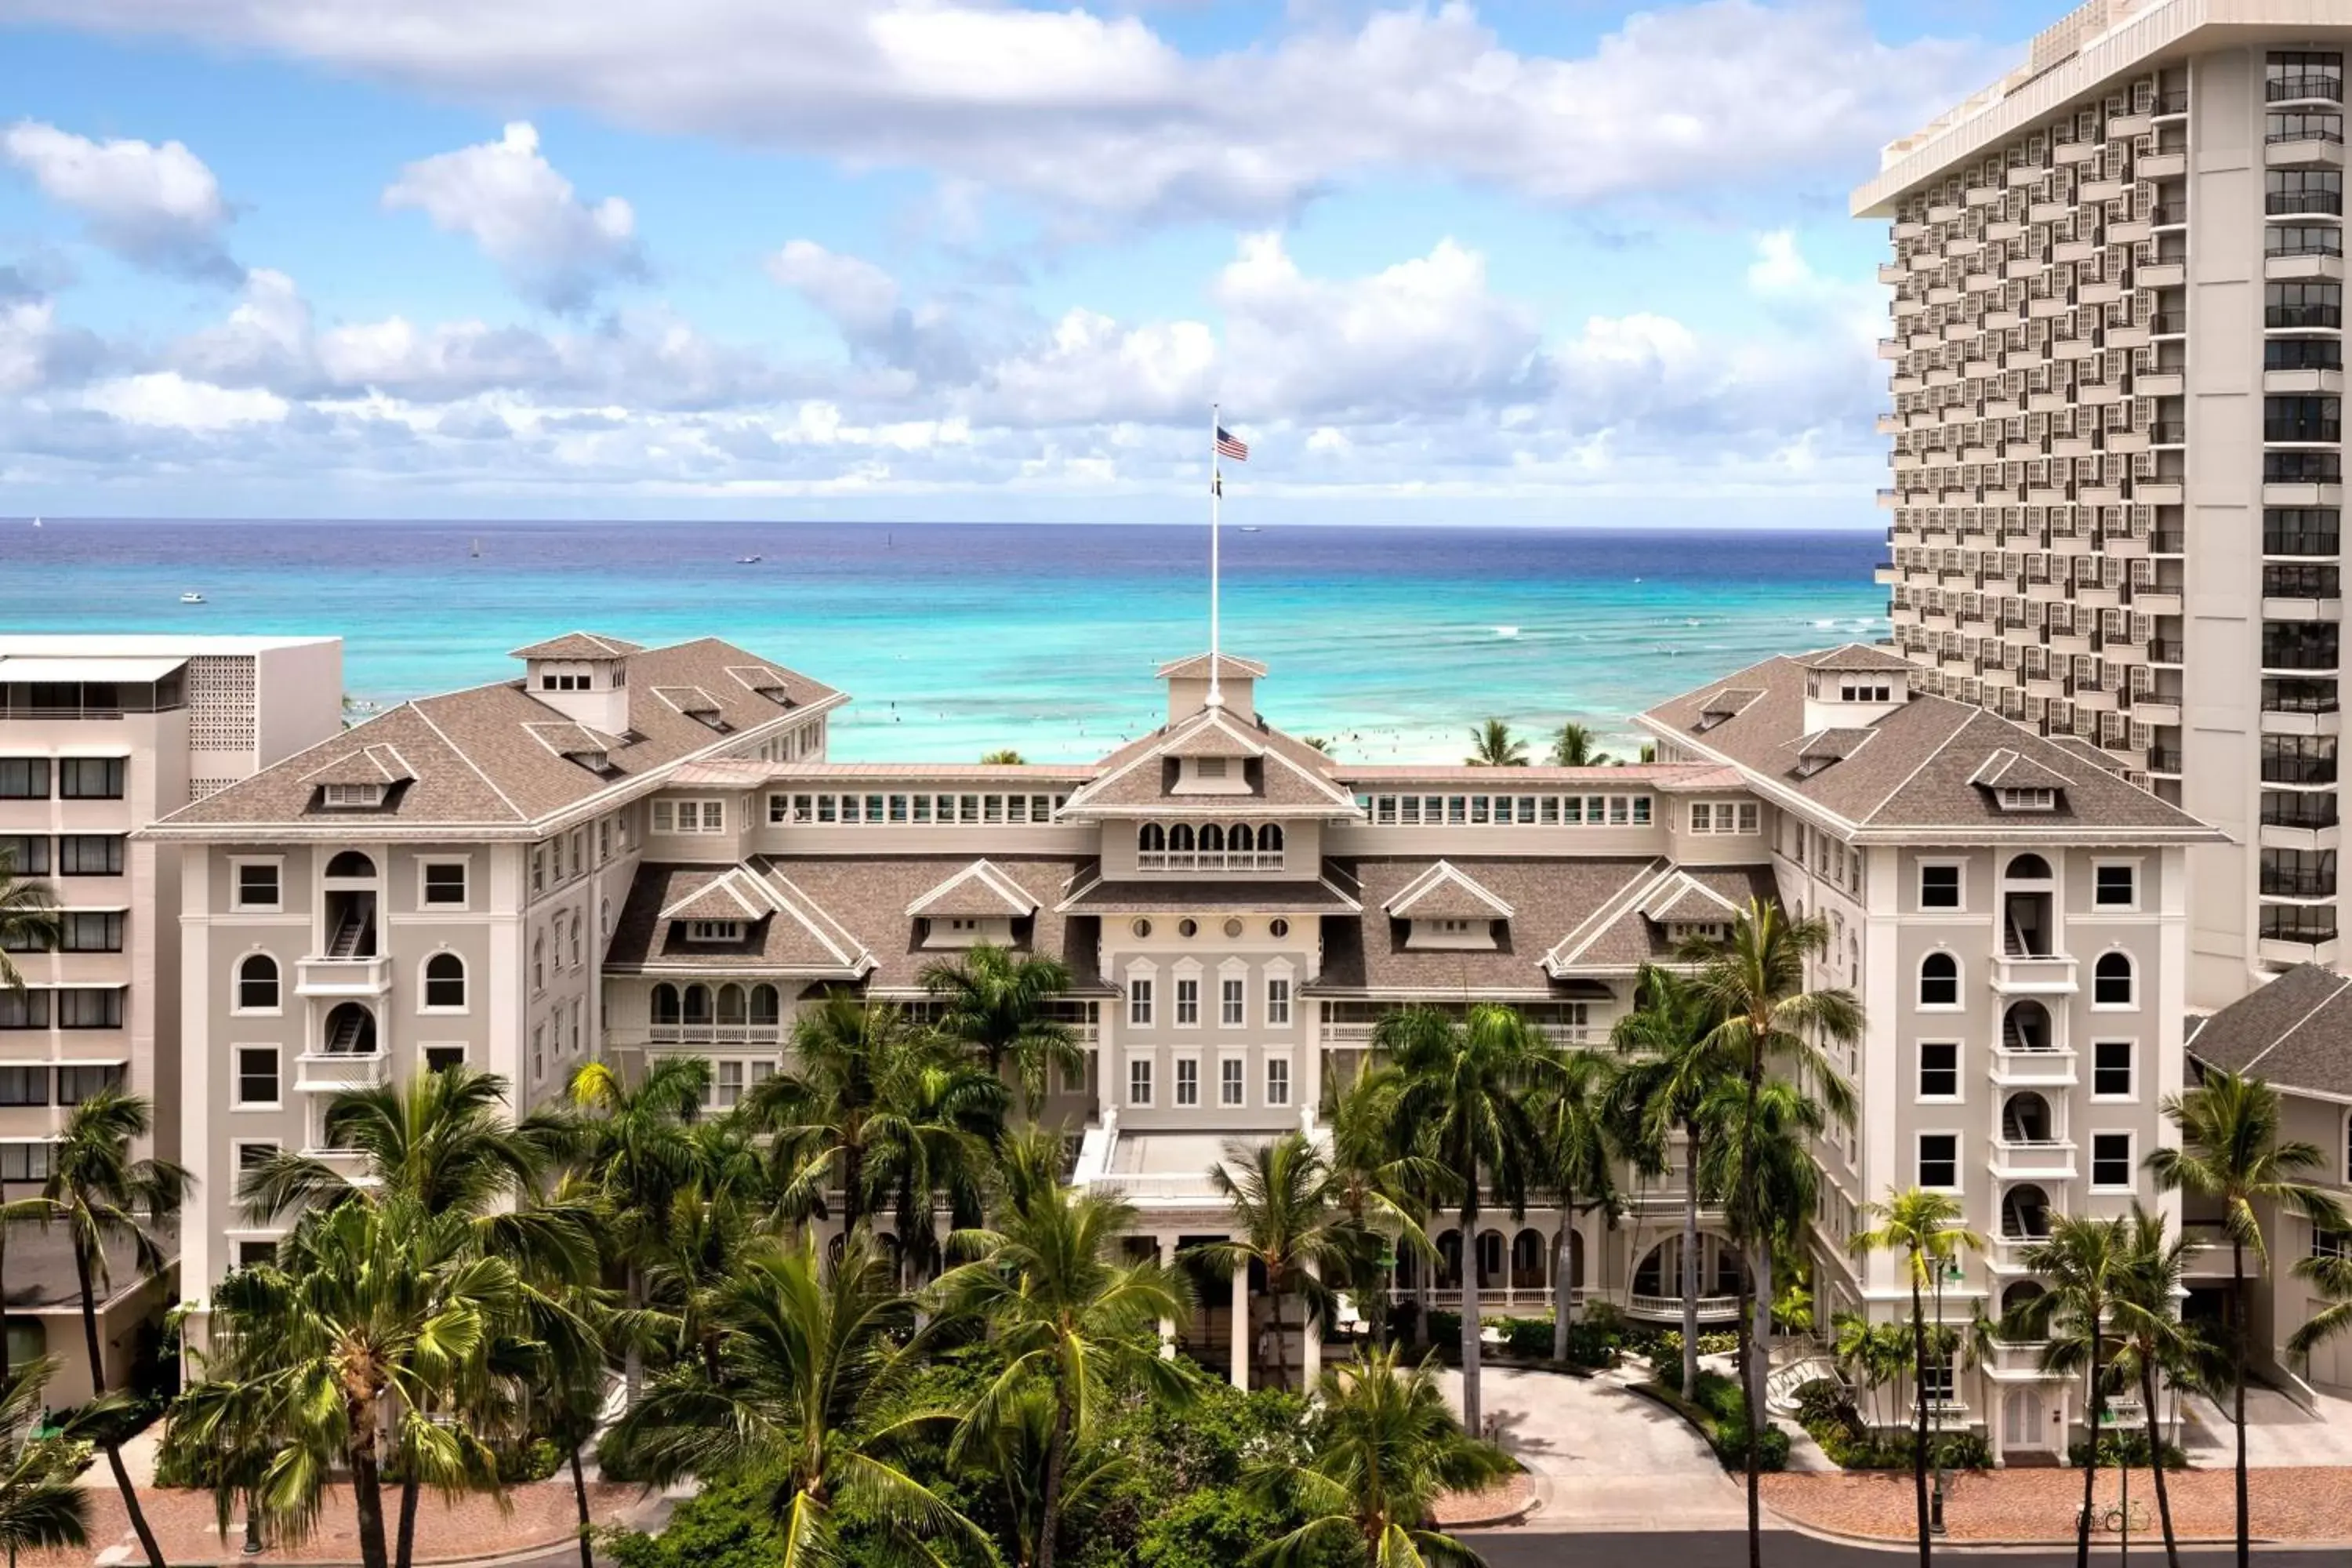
(960, 638)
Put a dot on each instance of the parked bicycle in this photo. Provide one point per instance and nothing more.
(2113, 1517)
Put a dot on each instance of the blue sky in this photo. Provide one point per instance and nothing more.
(1573, 261)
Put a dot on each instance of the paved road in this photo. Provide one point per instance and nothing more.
(1784, 1549)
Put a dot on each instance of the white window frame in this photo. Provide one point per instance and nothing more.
(2131, 864)
(1148, 1099)
(1147, 1015)
(1960, 1161)
(1232, 1072)
(1186, 973)
(465, 863)
(1960, 1076)
(237, 1076)
(699, 807)
(424, 1049)
(2131, 1160)
(2131, 1007)
(1233, 991)
(695, 931)
(466, 978)
(1279, 997)
(236, 1007)
(1176, 1083)
(236, 1148)
(1279, 1060)
(1920, 886)
(236, 865)
(1959, 1001)
(2131, 1052)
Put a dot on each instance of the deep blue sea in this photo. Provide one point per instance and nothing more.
(960, 638)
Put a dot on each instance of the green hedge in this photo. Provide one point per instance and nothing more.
(2118, 1449)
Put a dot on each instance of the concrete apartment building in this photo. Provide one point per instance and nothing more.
(2117, 370)
(100, 736)
(647, 852)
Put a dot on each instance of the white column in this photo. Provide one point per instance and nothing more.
(1163, 1249)
(1241, 1326)
(1311, 1360)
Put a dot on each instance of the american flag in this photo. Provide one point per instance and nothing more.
(1232, 446)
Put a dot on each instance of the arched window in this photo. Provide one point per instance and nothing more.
(1151, 839)
(1179, 838)
(2026, 1026)
(1490, 1258)
(445, 981)
(1527, 1260)
(605, 920)
(764, 1005)
(2111, 980)
(698, 1004)
(1213, 838)
(256, 983)
(2029, 868)
(1269, 838)
(1449, 1261)
(665, 1003)
(731, 1003)
(351, 863)
(2025, 1118)
(2025, 1213)
(351, 1031)
(1238, 836)
(1939, 981)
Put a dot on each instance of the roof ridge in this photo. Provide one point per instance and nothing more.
(459, 752)
(2341, 984)
(1967, 719)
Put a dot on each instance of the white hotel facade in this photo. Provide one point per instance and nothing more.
(636, 852)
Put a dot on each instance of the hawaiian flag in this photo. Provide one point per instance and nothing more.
(1232, 446)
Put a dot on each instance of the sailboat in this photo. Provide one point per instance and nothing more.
(478, 549)
(36, 522)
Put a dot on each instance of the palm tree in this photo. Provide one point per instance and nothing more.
(1384, 1448)
(1379, 1183)
(2084, 1264)
(1576, 746)
(1318, 743)
(1465, 1086)
(1925, 1228)
(1677, 1059)
(825, 1110)
(40, 1504)
(1007, 758)
(100, 1194)
(1062, 1310)
(815, 1371)
(1775, 1217)
(632, 1140)
(939, 1118)
(1011, 1458)
(2231, 1150)
(1756, 980)
(1281, 1195)
(1494, 746)
(2152, 1338)
(1578, 1161)
(29, 924)
(368, 1308)
(1869, 1354)
(999, 1004)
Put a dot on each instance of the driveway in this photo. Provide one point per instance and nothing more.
(2278, 1432)
(1602, 1457)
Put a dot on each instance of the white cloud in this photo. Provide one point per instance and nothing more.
(157, 206)
(859, 296)
(168, 398)
(1101, 114)
(510, 201)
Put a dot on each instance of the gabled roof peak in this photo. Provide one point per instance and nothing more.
(578, 646)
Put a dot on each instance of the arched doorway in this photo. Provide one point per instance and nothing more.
(2022, 1426)
(1527, 1260)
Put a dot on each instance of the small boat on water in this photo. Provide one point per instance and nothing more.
(478, 549)
(1251, 528)
(192, 597)
(747, 561)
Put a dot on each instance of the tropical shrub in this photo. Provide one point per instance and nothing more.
(2121, 1448)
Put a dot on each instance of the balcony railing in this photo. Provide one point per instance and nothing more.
(2300, 583)
(2301, 469)
(2163, 759)
(2173, 102)
(2168, 432)
(2297, 770)
(2303, 811)
(2302, 543)
(2302, 925)
(2280, 882)
(2299, 695)
(1710, 1307)
(330, 1071)
(2304, 84)
(2287, 203)
(370, 976)
(2169, 324)
(1208, 860)
(2333, 134)
(715, 1034)
(2052, 1158)
(2015, 1065)
(2330, 430)
(2302, 316)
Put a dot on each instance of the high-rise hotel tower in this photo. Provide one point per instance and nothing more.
(2117, 464)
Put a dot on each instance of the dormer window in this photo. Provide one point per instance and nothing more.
(548, 682)
(714, 931)
(350, 796)
(1852, 690)
(2027, 799)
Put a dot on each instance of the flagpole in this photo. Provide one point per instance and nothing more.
(1216, 498)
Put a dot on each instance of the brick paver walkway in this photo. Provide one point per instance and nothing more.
(541, 1514)
(2310, 1503)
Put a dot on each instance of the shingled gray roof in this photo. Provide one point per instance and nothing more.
(2294, 1032)
(1918, 770)
(481, 758)
(1288, 777)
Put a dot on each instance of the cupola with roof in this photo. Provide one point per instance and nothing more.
(1188, 685)
(581, 675)
(1854, 687)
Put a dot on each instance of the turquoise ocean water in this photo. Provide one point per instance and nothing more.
(960, 638)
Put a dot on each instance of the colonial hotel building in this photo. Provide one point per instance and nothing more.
(645, 851)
